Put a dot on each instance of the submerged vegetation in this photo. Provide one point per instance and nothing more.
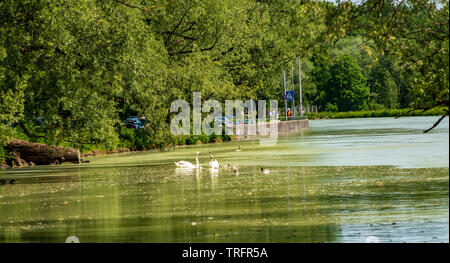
(71, 72)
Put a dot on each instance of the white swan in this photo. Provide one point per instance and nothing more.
(214, 172)
(265, 171)
(188, 165)
(213, 163)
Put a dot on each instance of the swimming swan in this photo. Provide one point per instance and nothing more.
(265, 171)
(188, 165)
(213, 163)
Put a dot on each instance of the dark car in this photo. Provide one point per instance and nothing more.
(135, 122)
(13, 125)
(227, 120)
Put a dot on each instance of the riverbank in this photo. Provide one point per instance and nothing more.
(5, 157)
(374, 113)
(130, 140)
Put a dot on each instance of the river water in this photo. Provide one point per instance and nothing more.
(346, 180)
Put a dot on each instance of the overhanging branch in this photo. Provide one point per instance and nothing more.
(148, 8)
(436, 123)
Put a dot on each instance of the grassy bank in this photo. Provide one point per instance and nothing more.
(140, 140)
(374, 113)
(129, 140)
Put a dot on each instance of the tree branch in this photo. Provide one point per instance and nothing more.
(436, 123)
(149, 8)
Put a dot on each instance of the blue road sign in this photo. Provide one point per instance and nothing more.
(289, 95)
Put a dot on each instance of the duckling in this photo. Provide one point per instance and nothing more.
(265, 171)
(225, 166)
(236, 169)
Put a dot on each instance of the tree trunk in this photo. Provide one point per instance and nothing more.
(38, 153)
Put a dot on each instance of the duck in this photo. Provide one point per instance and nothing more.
(265, 171)
(213, 163)
(188, 165)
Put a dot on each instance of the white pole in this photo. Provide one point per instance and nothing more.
(284, 95)
(293, 99)
(300, 88)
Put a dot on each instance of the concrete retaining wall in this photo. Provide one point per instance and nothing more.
(284, 128)
(290, 126)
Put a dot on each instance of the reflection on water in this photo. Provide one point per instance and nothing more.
(142, 197)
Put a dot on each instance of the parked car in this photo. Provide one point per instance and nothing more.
(39, 121)
(135, 122)
(13, 125)
(249, 121)
(228, 121)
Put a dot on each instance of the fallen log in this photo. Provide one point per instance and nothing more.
(38, 153)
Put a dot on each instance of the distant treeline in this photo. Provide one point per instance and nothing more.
(72, 71)
(375, 113)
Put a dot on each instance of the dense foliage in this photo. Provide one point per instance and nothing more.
(341, 85)
(72, 71)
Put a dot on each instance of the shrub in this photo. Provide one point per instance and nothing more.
(331, 107)
(375, 106)
(2, 155)
(127, 137)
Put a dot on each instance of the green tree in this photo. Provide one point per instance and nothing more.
(383, 89)
(360, 49)
(343, 86)
(78, 65)
(416, 33)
